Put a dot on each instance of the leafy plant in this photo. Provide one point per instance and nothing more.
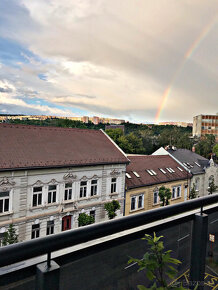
(111, 208)
(164, 194)
(85, 219)
(157, 263)
(212, 187)
(193, 193)
(10, 237)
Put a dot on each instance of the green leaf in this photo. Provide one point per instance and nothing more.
(141, 287)
(150, 275)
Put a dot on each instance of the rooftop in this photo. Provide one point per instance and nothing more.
(146, 170)
(23, 146)
(191, 160)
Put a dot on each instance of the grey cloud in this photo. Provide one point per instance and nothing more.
(6, 90)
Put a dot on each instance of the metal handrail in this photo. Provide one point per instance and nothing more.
(33, 248)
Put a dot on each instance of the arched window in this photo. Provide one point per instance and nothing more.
(197, 184)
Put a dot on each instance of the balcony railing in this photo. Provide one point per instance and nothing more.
(97, 239)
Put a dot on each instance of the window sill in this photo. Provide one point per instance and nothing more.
(87, 198)
(114, 194)
(68, 201)
(176, 198)
(36, 207)
(137, 209)
(51, 204)
(6, 213)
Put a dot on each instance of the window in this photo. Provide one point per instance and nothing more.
(4, 201)
(52, 193)
(35, 231)
(163, 171)
(50, 228)
(197, 184)
(170, 169)
(37, 196)
(128, 175)
(156, 197)
(68, 191)
(92, 213)
(83, 188)
(150, 172)
(140, 201)
(176, 192)
(136, 174)
(94, 187)
(113, 184)
(133, 203)
(137, 202)
(197, 164)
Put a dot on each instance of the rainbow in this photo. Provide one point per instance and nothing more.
(187, 55)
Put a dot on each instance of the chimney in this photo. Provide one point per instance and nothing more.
(193, 148)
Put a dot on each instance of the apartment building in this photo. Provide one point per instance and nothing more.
(146, 174)
(202, 169)
(205, 124)
(49, 175)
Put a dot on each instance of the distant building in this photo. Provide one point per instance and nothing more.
(205, 124)
(179, 124)
(146, 174)
(49, 175)
(202, 169)
(122, 127)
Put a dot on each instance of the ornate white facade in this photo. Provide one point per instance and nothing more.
(45, 201)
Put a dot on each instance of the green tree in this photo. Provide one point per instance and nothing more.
(215, 150)
(212, 187)
(114, 133)
(205, 146)
(164, 194)
(193, 193)
(111, 208)
(157, 263)
(85, 219)
(10, 237)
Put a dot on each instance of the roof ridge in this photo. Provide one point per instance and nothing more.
(25, 126)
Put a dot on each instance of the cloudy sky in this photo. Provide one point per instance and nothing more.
(139, 60)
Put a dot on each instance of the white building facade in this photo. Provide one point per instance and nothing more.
(47, 200)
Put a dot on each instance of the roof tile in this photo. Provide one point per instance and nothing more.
(23, 146)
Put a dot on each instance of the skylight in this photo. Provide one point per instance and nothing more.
(128, 176)
(185, 164)
(172, 170)
(180, 168)
(136, 174)
(153, 172)
(169, 169)
(150, 172)
(197, 164)
(162, 170)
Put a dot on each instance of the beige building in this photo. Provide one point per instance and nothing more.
(205, 124)
(146, 174)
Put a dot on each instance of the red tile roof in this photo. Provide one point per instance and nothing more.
(141, 163)
(23, 146)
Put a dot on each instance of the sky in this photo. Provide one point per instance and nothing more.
(139, 60)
